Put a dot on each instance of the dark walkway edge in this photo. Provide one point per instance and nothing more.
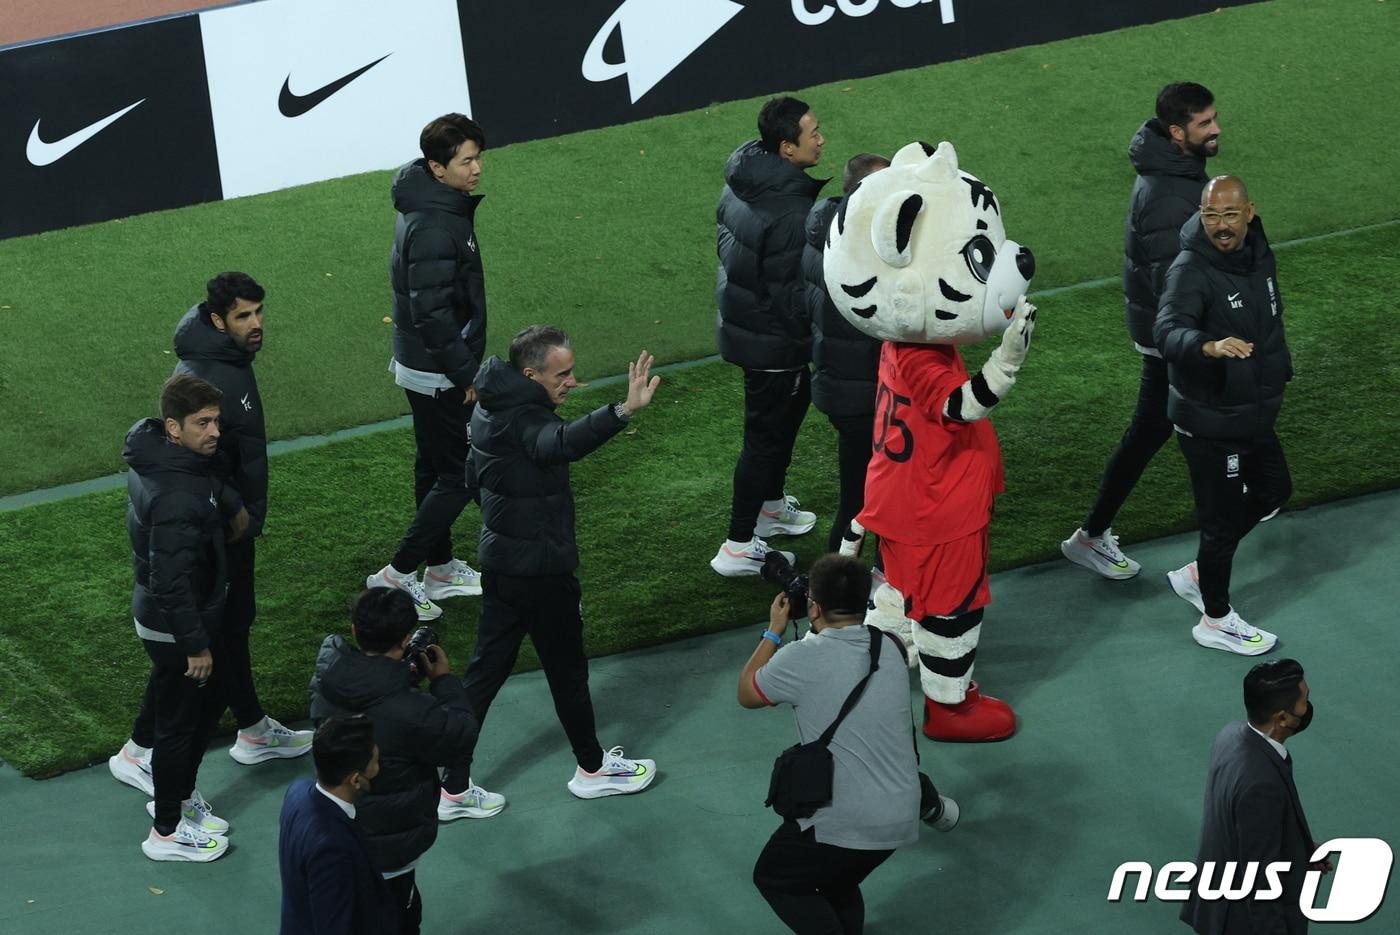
(114, 481)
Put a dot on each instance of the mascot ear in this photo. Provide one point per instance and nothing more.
(942, 166)
(893, 227)
(911, 155)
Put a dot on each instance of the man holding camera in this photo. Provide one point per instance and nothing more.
(417, 731)
(811, 869)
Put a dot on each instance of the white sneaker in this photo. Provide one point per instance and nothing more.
(787, 521)
(135, 771)
(1232, 634)
(617, 776)
(387, 577)
(186, 843)
(197, 813)
(276, 742)
(473, 802)
(746, 561)
(455, 579)
(1100, 554)
(1187, 586)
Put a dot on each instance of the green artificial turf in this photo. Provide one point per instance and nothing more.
(653, 505)
(610, 232)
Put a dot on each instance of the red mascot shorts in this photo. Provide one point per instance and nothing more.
(940, 580)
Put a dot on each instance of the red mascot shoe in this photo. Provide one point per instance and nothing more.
(978, 718)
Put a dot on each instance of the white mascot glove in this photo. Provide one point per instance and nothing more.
(1001, 367)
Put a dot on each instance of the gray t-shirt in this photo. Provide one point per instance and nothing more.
(875, 787)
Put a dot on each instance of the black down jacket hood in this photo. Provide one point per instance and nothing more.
(762, 321)
(845, 361)
(1166, 193)
(521, 452)
(175, 523)
(417, 732)
(1211, 295)
(211, 355)
(437, 278)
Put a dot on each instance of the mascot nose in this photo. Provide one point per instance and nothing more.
(1025, 263)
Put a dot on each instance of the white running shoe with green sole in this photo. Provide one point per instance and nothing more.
(1099, 554)
(388, 577)
(186, 843)
(617, 776)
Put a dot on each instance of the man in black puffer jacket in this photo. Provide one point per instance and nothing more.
(416, 732)
(521, 451)
(845, 361)
(762, 323)
(1169, 153)
(1220, 329)
(177, 509)
(439, 339)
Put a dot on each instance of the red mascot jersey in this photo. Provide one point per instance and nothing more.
(931, 479)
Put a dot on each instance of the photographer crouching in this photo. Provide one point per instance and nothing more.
(416, 731)
(851, 791)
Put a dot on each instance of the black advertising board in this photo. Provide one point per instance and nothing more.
(104, 125)
(541, 68)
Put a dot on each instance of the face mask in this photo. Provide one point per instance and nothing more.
(1304, 721)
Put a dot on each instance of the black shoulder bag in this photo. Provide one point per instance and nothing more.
(802, 773)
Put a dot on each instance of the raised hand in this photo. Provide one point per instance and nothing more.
(1016, 340)
(641, 385)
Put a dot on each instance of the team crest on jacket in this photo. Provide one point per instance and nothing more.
(932, 235)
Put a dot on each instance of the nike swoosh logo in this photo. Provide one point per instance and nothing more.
(1234, 297)
(294, 105)
(40, 153)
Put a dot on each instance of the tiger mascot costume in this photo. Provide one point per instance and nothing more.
(917, 256)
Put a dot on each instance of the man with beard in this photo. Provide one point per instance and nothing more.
(1169, 153)
(1220, 329)
(217, 341)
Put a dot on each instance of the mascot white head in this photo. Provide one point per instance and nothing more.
(917, 253)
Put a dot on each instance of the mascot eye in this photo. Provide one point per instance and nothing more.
(980, 255)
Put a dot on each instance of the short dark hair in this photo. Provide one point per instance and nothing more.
(1179, 100)
(858, 167)
(530, 348)
(1270, 687)
(185, 394)
(780, 121)
(840, 583)
(341, 746)
(441, 138)
(227, 288)
(382, 617)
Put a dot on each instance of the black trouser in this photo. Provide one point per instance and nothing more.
(1220, 470)
(1146, 434)
(240, 607)
(408, 901)
(183, 714)
(443, 482)
(548, 610)
(774, 406)
(853, 435)
(814, 888)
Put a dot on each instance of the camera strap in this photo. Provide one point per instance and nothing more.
(854, 696)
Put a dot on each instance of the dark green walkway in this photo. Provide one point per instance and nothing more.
(1118, 709)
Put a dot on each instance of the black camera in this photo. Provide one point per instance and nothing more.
(419, 651)
(778, 570)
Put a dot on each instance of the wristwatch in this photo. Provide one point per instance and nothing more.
(768, 634)
(620, 410)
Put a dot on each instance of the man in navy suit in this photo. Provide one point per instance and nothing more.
(329, 884)
(1252, 811)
